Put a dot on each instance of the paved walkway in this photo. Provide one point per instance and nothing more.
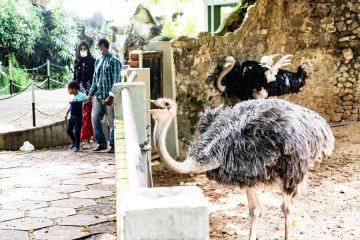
(52, 102)
(57, 194)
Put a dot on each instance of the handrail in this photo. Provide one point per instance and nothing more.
(136, 172)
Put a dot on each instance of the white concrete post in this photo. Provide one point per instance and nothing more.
(175, 213)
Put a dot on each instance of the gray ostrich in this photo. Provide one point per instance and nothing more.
(252, 144)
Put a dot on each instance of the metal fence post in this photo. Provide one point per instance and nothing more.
(48, 73)
(33, 103)
(11, 87)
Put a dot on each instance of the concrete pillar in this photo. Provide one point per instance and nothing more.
(163, 213)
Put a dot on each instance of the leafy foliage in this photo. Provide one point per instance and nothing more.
(58, 40)
(20, 77)
(20, 27)
(178, 26)
(34, 34)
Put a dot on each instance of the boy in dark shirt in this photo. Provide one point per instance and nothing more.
(76, 114)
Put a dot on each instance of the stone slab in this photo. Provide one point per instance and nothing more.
(70, 188)
(61, 233)
(25, 205)
(100, 209)
(6, 215)
(73, 203)
(106, 236)
(82, 181)
(107, 227)
(92, 194)
(26, 224)
(82, 220)
(182, 213)
(102, 187)
(97, 175)
(52, 212)
(50, 197)
(13, 235)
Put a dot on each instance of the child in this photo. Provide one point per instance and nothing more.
(76, 114)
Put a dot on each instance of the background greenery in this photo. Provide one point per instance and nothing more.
(31, 34)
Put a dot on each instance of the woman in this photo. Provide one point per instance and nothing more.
(83, 73)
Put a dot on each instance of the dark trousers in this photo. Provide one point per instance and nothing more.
(74, 124)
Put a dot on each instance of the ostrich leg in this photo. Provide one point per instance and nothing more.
(287, 208)
(255, 211)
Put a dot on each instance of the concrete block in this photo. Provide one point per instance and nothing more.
(163, 213)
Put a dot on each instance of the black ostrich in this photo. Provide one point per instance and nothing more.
(257, 80)
(252, 144)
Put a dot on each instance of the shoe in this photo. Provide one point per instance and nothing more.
(76, 149)
(99, 148)
(112, 149)
(72, 146)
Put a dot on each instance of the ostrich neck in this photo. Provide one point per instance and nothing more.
(190, 165)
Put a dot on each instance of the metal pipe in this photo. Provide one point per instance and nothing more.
(48, 73)
(33, 103)
(140, 59)
(212, 18)
(11, 87)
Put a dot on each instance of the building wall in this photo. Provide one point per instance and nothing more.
(325, 31)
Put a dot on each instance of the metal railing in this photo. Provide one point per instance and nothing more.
(47, 80)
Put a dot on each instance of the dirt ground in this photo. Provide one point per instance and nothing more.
(330, 210)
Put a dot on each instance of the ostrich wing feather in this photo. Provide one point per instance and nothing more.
(259, 141)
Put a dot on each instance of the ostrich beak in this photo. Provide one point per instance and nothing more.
(156, 105)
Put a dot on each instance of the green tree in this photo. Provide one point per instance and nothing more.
(20, 27)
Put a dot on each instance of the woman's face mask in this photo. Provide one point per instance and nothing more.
(83, 53)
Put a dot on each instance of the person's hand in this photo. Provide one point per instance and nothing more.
(66, 116)
(88, 99)
(108, 101)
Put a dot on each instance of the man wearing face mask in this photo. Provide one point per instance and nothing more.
(107, 72)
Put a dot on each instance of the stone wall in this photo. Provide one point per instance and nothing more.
(325, 31)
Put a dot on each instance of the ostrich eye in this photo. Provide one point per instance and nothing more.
(167, 104)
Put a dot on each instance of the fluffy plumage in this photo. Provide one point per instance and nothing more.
(260, 141)
(254, 80)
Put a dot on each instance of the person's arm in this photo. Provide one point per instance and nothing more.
(67, 113)
(93, 87)
(116, 76)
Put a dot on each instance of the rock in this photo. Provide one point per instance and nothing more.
(354, 43)
(344, 39)
(338, 109)
(341, 26)
(348, 53)
(347, 97)
(340, 85)
(354, 110)
(354, 25)
(331, 28)
(348, 85)
(354, 117)
(336, 117)
(263, 31)
(346, 115)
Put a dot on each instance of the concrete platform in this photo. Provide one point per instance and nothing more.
(16, 124)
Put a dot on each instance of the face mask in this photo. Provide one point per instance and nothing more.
(83, 53)
(99, 52)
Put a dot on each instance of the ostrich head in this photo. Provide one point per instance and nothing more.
(223, 68)
(165, 108)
